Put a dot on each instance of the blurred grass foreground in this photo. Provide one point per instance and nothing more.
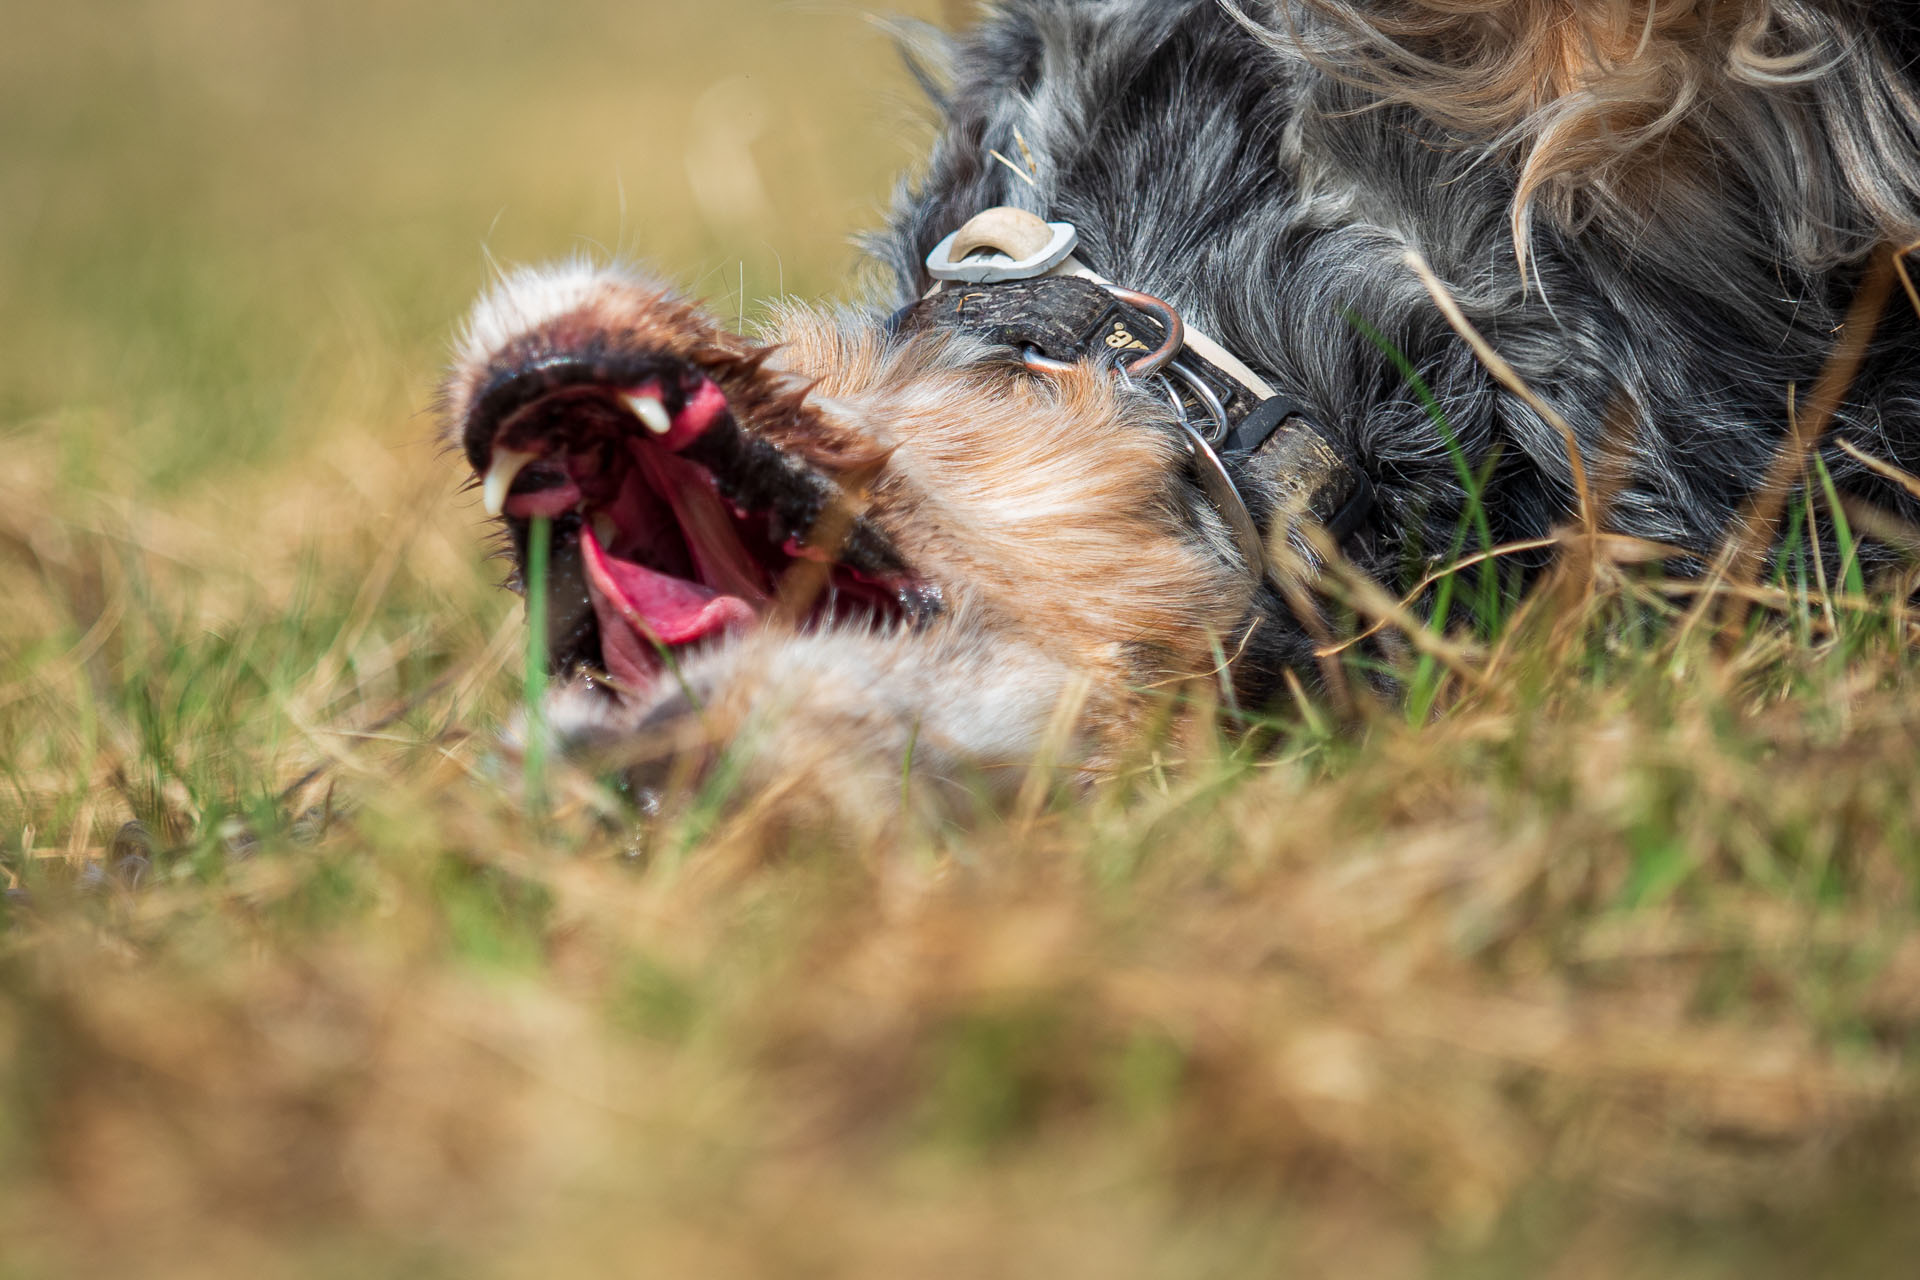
(1601, 959)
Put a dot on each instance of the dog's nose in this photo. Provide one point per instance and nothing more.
(517, 387)
(671, 401)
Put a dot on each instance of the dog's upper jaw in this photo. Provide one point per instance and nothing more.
(665, 482)
(896, 539)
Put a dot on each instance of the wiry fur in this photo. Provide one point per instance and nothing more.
(1053, 515)
(1245, 171)
(1656, 210)
(1624, 110)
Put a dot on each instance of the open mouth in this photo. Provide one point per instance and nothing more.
(673, 526)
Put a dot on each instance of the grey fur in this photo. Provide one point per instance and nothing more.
(1223, 160)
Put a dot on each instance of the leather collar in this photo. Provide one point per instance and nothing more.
(1237, 426)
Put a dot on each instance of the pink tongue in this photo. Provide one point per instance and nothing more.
(637, 607)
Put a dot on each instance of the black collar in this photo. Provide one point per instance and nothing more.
(1234, 431)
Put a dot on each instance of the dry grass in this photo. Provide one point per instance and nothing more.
(1606, 966)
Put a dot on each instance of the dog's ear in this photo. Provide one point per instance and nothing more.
(929, 55)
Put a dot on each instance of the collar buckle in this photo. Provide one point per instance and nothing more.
(1055, 311)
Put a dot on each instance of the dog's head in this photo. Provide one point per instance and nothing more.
(865, 542)
(844, 536)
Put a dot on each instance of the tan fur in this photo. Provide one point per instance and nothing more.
(1596, 98)
(1048, 510)
(1041, 502)
(1040, 507)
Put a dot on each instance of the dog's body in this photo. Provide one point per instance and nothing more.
(915, 546)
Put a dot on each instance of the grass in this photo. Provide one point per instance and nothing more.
(1604, 965)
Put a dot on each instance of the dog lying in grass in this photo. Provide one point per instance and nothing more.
(1169, 329)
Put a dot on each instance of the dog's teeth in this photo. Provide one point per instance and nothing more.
(604, 529)
(650, 411)
(507, 463)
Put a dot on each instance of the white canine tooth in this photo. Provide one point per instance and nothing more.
(650, 411)
(605, 530)
(507, 463)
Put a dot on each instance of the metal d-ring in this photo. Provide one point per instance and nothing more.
(1176, 331)
(1207, 397)
(1175, 338)
(1038, 361)
(1225, 497)
(1214, 478)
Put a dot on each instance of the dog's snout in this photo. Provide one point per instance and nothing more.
(656, 389)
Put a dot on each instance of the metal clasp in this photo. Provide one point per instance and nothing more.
(1211, 472)
(1174, 338)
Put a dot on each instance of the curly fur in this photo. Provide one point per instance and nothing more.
(1266, 168)
(1645, 113)
(1657, 211)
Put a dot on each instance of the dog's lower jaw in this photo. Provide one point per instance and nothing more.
(974, 569)
(831, 725)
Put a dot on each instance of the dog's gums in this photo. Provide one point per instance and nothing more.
(962, 524)
(673, 525)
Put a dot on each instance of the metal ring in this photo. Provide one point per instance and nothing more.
(1179, 405)
(1205, 394)
(1225, 497)
(1146, 366)
(1176, 331)
(1038, 361)
(1217, 482)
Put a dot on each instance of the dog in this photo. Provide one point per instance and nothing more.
(1160, 340)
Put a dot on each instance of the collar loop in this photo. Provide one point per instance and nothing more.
(1015, 282)
(1003, 244)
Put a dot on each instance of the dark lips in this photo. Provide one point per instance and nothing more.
(673, 525)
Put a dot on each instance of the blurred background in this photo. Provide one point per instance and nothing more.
(236, 233)
(236, 237)
(1602, 974)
